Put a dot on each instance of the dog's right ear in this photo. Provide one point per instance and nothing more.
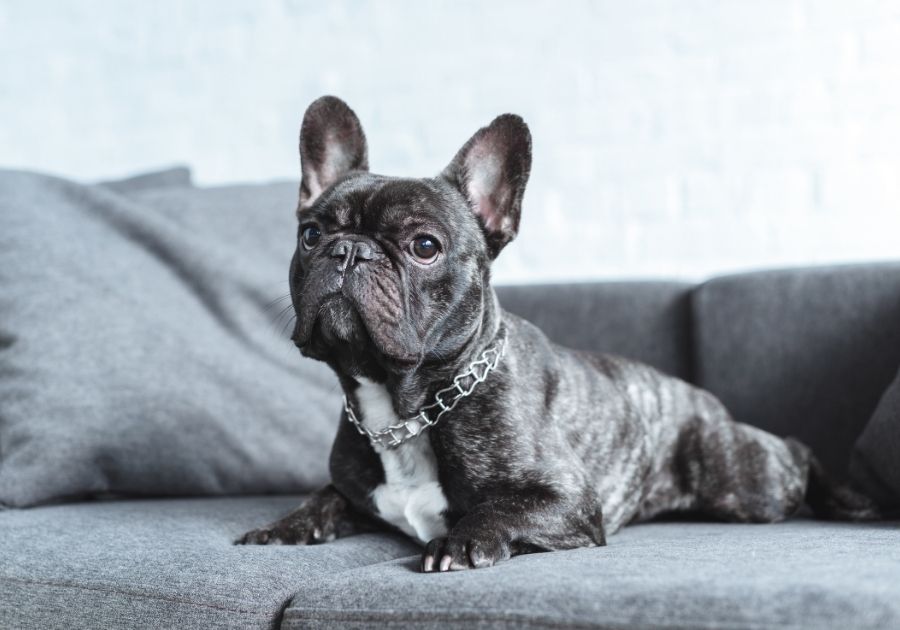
(491, 171)
(332, 144)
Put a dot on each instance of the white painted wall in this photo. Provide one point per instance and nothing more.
(672, 138)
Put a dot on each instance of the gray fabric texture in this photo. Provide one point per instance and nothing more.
(798, 574)
(170, 563)
(177, 177)
(162, 564)
(875, 464)
(138, 355)
(802, 352)
(647, 321)
(141, 350)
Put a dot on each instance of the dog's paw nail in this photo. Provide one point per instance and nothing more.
(253, 537)
(480, 560)
(445, 563)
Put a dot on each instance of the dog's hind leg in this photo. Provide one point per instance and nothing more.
(828, 499)
(739, 473)
(736, 472)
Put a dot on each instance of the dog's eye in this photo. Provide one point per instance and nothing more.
(311, 236)
(425, 248)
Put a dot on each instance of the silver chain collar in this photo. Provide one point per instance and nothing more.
(444, 401)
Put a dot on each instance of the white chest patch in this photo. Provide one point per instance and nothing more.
(411, 497)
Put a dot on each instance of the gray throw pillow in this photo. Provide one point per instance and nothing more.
(875, 464)
(141, 348)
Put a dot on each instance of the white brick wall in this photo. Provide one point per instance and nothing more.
(672, 138)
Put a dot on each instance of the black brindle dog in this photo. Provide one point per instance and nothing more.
(463, 426)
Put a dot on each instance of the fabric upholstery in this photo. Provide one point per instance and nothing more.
(170, 563)
(875, 464)
(141, 350)
(162, 564)
(802, 352)
(179, 381)
(799, 574)
(647, 321)
(177, 177)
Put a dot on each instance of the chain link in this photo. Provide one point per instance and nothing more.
(396, 434)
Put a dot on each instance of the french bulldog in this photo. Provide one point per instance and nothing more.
(463, 426)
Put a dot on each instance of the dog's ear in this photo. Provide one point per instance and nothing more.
(332, 144)
(491, 171)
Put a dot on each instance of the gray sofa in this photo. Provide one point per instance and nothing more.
(802, 352)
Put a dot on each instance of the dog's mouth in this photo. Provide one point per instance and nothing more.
(339, 319)
(335, 320)
(338, 324)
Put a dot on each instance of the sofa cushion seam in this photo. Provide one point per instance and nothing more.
(362, 614)
(159, 597)
(474, 615)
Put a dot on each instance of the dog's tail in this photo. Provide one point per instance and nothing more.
(829, 500)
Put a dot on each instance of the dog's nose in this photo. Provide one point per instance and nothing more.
(349, 251)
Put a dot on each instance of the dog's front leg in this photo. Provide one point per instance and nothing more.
(506, 526)
(324, 516)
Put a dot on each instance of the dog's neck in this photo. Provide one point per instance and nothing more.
(412, 388)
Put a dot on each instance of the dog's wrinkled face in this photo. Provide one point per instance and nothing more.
(389, 273)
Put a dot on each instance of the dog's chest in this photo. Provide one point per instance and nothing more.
(411, 498)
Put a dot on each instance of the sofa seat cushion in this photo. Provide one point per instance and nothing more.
(798, 574)
(162, 564)
(170, 563)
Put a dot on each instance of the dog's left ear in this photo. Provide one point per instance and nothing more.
(491, 171)
(332, 144)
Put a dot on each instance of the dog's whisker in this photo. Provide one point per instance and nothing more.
(287, 326)
(276, 302)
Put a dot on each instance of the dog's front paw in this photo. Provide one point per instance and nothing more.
(457, 552)
(304, 526)
(260, 536)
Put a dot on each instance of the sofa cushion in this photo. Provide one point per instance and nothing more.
(647, 321)
(170, 563)
(803, 352)
(162, 564)
(798, 574)
(158, 330)
(140, 346)
(875, 464)
(176, 177)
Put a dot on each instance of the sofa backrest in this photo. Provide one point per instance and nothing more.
(647, 321)
(801, 352)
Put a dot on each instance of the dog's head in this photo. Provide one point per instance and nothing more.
(391, 272)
